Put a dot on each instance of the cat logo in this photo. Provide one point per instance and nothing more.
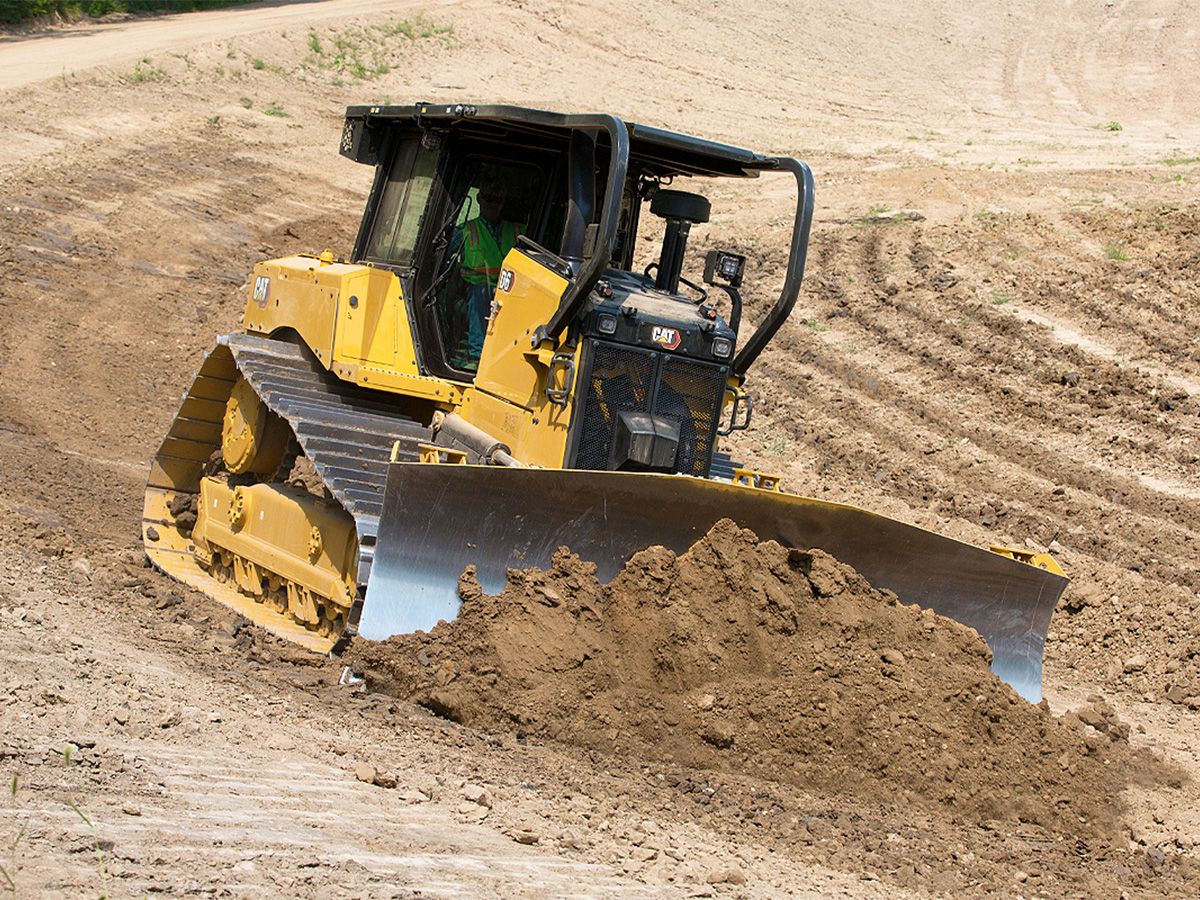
(262, 287)
(667, 338)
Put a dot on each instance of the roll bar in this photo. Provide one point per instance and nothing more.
(581, 286)
(585, 279)
(797, 256)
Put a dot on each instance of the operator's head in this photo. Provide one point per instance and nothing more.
(491, 203)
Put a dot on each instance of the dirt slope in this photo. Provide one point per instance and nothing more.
(1016, 366)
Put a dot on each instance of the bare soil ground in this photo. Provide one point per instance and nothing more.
(997, 340)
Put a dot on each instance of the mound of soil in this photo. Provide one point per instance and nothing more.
(752, 658)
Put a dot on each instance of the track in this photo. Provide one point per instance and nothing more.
(346, 433)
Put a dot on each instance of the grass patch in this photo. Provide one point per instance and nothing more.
(257, 63)
(987, 217)
(145, 71)
(1114, 125)
(366, 52)
(1180, 160)
(776, 442)
(246, 102)
(814, 325)
(274, 109)
(1116, 251)
(1002, 297)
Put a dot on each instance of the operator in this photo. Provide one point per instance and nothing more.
(484, 242)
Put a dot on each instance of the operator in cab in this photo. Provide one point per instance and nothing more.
(482, 243)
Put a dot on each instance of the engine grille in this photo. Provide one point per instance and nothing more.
(620, 379)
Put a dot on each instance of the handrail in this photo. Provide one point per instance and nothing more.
(581, 285)
(774, 320)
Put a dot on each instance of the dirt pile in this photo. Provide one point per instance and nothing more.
(752, 658)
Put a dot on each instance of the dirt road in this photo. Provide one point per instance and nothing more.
(27, 60)
(1015, 363)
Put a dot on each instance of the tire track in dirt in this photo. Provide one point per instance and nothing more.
(866, 421)
(952, 348)
(1142, 296)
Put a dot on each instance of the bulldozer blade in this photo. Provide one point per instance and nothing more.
(438, 519)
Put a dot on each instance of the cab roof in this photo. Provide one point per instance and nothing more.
(652, 150)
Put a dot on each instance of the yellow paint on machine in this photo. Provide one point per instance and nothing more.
(352, 317)
(509, 397)
(174, 553)
(279, 538)
(176, 473)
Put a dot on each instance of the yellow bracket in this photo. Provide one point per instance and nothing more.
(1038, 560)
(756, 479)
(543, 355)
(282, 547)
(431, 453)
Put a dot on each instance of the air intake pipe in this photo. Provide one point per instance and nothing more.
(681, 210)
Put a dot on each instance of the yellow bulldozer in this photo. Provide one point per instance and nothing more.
(489, 377)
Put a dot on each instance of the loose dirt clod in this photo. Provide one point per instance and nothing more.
(748, 657)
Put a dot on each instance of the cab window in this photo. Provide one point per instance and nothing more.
(402, 205)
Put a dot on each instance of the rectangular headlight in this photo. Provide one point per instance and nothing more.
(722, 347)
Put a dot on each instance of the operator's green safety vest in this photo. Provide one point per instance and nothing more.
(481, 256)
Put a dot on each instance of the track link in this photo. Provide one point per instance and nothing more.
(347, 433)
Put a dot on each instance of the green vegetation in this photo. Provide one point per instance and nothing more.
(775, 442)
(274, 109)
(1001, 297)
(101, 868)
(246, 102)
(987, 217)
(814, 325)
(1115, 251)
(1110, 126)
(257, 63)
(365, 52)
(1180, 161)
(16, 11)
(144, 71)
